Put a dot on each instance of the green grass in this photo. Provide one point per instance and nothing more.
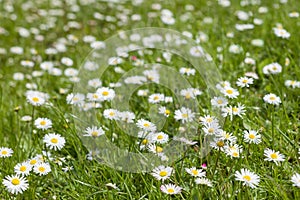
(278, 125)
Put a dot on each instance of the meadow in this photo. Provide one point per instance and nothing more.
(143, 99)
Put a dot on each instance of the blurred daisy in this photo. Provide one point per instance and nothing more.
(197, 51)
(42, 168)
(162, 172)
(170, 189)
(294, 14)
(273, 68)
(248, 178)
(184, 115)
(23, 168)
(187, 71)
(203, 181)
(54, 141)
(35, 99)
(212, 129)
(252, 136)
(106, 94)
(43, 123)
(292, 83)
(219, 102)
(15, 184)
(163, 110)
(146, 125)
(111, 114)
(272, 99)
(5, 152)
(235, 49)
(271, 155)
(94, 131)
(281, 33)
(195, 172)
(75, 99)
(156, 98)
(296, 180)
(244, 82)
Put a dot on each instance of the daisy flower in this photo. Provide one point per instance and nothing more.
(196, 51)
(146, 125)
(43, 123)
(273, 68)
(296, 180)
(244, 82)
(15, 184)
(162, 172)
(170, 189)
(35, 99)
(212, 129)
(272, 99)
(106, 94)
(163, 110)
(271, 155)
(94, 131)
(247, 177)
(156, 98)
(42, 168)
(126, 116)
(184, 114)
(23, 168)
(292, 83)
(203, 181)
(219, 102)
(230, 92)
(5, 152)
(75, 99)
(281, 33)
(187, 71)
(195, 172)
(54, 141)
(160, 137)
(111, 114)
(252, 136)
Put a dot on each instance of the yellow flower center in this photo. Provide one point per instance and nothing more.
(251, 136)
(211, 130)
(171, 190)
(156, 98)
(234, 109)
(4, 152)
(145, 141)
(41, 169)
(35, 99)
(163, 173)
(274, 156)
(54, 140)
(94, 133)
(247, 178)
(22, 168)
(220, 143)
(188, 96)
(167, 112)
(95, 96)
(75, 99)
(219, 101)
(15, 181)
(229, 91)
(159, 149)
(111, 114)
(146, 125)
(184, 115)
(272, 98)
(32, 162)
(235, 154)
(43, 123)
(195, 172)
(159, 137)
(244, 81)
(105, 93)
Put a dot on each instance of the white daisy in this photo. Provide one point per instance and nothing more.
(184, 115)
(272, 99)
(170, 189)
(106, 94)
(42, 168)
(162, 172)
(230, 92)
(296, 180)
(203, 181)
(111, 114)
(146, 125)
(271, 155)
(23, 168)
(94, 131)
(252, 136)
(219, 102)
(195, 172)
(160, 137)
(163, 110)
(187, 71)
(247, 177)
(156, 98)
(15, 184)
(54, 141)
(5, 152)
(244, 81)
(43, 123)
(273, 68)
